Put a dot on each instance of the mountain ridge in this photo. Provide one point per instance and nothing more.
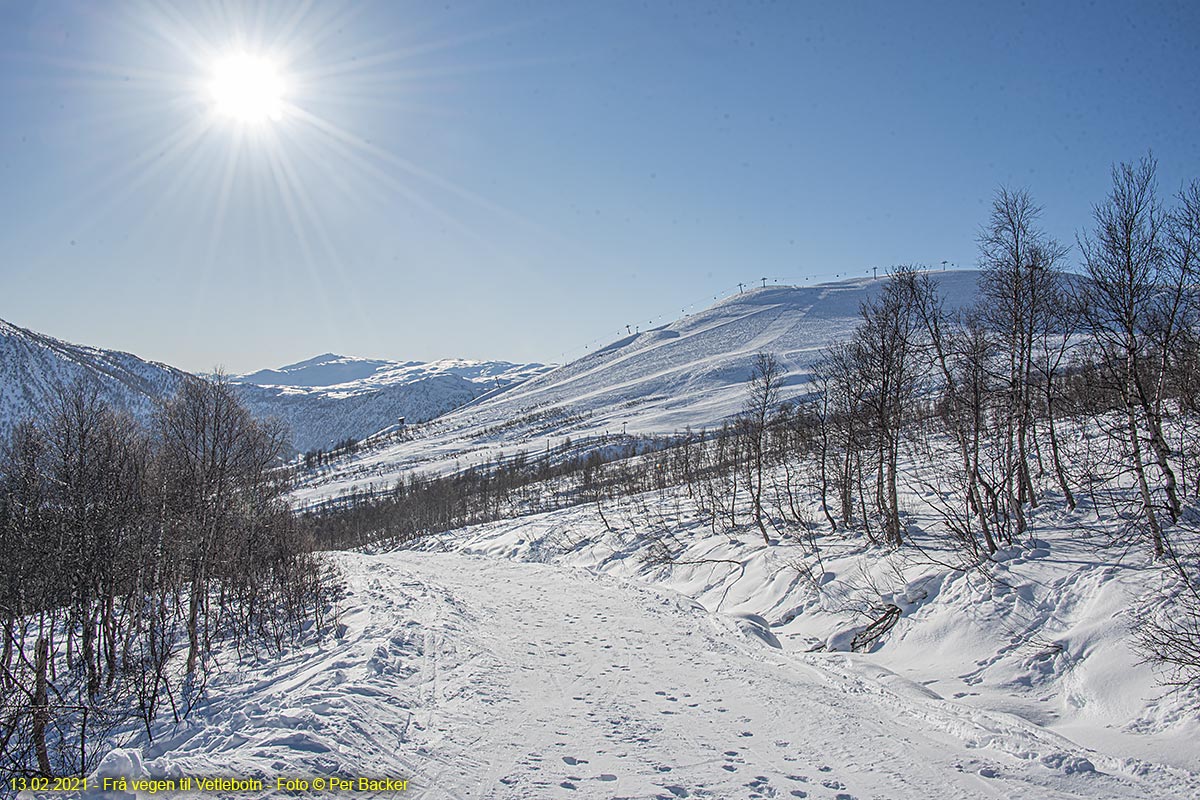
(34, 365)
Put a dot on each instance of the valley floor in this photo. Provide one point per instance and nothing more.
(482, 677)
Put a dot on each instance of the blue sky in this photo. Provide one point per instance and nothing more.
(519, 180)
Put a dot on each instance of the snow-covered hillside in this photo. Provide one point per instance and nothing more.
(33, 366)
(692, 372)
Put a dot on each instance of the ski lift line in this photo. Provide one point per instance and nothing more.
(721, 293)
(738, 288)
(726, 292)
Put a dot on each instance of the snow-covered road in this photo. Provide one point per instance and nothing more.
(483, 677)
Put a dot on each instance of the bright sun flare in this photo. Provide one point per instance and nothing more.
(247, 88)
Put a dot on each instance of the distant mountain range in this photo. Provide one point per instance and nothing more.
(329, 397)
(324, 399)
(351, 373)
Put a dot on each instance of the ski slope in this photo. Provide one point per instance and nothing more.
(484, 677)
(692, 372)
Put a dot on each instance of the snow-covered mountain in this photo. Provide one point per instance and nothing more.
(323, 370)
(318, 398)
(330, 397)
(355, 373)
(33, 366)
(691, 372)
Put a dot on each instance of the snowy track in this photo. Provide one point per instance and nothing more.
(477, 677)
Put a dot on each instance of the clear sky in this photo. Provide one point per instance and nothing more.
(516, 180)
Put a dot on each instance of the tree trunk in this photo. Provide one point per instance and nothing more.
(193, 628)
(41, 707)
(893, 498)
(1139, 469)
(1060, 473)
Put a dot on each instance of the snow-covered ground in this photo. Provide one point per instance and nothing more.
(482, 676)
(558, 655)
(1043, 631)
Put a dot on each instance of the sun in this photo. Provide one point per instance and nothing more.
(247, 88)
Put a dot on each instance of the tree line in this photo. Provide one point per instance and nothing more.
(420, 504)
(132, 554)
